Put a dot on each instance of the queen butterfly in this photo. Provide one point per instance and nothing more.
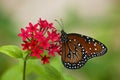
(77, 49)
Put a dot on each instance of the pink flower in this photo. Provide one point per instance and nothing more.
(40, 37)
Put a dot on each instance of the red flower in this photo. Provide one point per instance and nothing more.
(45, 59)
(24, 34)
(51, 26)
(33, 44)
(54, 36)
(37, 52)
(45, 44)
(26, 45)
(43, 23)
(52, 49)
(40, 37)
(31, 27)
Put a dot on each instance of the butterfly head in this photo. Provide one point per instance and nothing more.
(64, 37)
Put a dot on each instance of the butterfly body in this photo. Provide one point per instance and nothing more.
(77, 49)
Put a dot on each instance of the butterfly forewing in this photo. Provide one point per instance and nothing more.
(92, 47)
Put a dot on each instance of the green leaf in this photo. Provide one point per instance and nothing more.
(12, 51)
(34, 71)
(39, 71)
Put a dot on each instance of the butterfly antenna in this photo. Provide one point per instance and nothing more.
(61, 24)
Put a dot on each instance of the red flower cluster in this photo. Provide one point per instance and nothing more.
(40, 37)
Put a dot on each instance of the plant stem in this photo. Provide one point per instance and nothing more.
(24, 67)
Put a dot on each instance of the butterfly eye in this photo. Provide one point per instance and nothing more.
(77, 49)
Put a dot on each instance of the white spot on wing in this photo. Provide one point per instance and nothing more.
(74, 39)
(89, 48)
(78, 44)
(87, 37)
(94, 44)
(103, 47)
(95, 49)
(88, 42)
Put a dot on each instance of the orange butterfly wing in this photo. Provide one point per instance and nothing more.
(79, 48)
(93, 47)
(73, 55)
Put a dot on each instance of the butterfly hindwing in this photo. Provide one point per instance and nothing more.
(73, 56)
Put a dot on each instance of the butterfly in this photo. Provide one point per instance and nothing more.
(77, 49)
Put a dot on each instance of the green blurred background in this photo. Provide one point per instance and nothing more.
(96, 18)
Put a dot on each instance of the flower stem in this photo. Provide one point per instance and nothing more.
(24, 67)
